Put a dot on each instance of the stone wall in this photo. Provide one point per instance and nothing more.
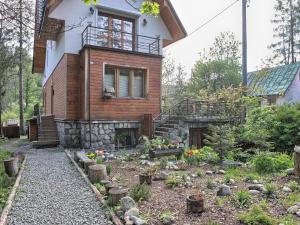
(76, 134)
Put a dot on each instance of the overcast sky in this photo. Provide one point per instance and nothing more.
(193, 13)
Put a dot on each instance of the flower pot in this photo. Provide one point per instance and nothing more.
(145, 178)
(195, 203)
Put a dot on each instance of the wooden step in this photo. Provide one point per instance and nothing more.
(45, 144)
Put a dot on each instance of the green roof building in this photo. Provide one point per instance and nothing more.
(278, 85)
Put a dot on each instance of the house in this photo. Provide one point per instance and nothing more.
(102, 67)
(276, 85)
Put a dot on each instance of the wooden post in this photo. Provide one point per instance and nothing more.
(195, 203)
(115, 195)
(97, 173)
(297, 161)
(11, 166)
(87, 164)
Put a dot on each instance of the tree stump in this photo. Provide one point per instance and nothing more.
(11, 166)
(297, 160)
(87, 163)
(145, 178)
(97, 173)
(195, 203)
(115, 195)
(109, 186)
(76, 158)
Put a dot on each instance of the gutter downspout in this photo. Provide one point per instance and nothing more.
(89, 81)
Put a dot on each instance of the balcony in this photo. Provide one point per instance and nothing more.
(122, 41)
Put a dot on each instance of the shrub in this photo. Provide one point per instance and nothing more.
(205, 154)
(140, 192)
(251, 177)
(271, 189)
(108, 169)
(256, 216)
(242, 198)
(173, 181)
(293, 185)
(200, 173)
(210, 184)
(100, 188)
(267, 162)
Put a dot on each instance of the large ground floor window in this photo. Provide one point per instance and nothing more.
(125, 82)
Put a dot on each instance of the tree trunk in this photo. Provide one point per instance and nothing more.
(11, 166)
(21, 106)
(97, 173)
(115, 195)
(297, 161)
(87, 164)
(195, 203)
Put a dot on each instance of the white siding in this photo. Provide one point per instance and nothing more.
(75, 11)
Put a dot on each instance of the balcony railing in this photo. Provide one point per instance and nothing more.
(114, 39)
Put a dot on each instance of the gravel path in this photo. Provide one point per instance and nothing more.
(53, 192)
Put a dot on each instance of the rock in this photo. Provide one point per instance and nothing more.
(286, 189)
(188, 184)
(231, 181)
(128, 221)
(132, 212)
(143, 157)
(298, 213)
(208, 172)
(224, 190)
(293, 209)
(187, 178)
(255, 182)
(194, 175)
(222, 172)
(168, 220)
(127, 203)
(254, 192)
(162, 175)
(258, 187)
(137, 221)
(231, 164)
(290, 171)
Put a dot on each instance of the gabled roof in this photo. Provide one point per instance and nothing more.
(273, 81)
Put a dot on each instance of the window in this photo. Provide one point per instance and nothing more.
(115, 32)
(127, 82)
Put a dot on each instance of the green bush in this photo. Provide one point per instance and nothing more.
(267, 162)
(242, 198)
(140, 192)
(173, 181)
(271, 189)
(293, 185)
(256, 216)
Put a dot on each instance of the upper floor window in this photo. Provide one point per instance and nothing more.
(115, 31)
(126, 82)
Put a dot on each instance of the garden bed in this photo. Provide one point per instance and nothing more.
(205, 179)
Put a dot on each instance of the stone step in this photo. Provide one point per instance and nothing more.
(160, 133)
(169, 125)
(47, 138)
(44, 144)
(164, 129)
(47, 131)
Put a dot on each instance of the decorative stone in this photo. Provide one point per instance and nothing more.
(162, 175)
(231, 181)
(132, 212)
(209, 172)
(168, 220)
(254, 192)
(222, 171)
(290, 171)
(137, 221)
(298, 213)
(293, 209)
(286, 189)
(127, 203)
(258, 187)
(188, 184)
(224, 190)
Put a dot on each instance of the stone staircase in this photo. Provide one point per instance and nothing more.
(47, 133)
(165, 127)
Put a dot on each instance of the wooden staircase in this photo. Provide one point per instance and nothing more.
(47, 133)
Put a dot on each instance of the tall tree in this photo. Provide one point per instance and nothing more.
(219, 68)
(287, 31)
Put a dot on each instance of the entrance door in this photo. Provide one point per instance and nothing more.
(197, 137)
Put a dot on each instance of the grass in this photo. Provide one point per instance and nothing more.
(290, 199)
(5, 181)
(256, 216)
(242, 199)
(140, 192)
(240, 174)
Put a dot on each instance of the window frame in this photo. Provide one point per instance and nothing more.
(110, 29)
(117, 68)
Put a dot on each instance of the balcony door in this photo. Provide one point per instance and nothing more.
(115, 32)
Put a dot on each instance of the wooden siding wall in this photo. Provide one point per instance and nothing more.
(124, 109)
(66, 86)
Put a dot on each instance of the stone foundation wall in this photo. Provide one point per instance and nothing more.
(76, 134)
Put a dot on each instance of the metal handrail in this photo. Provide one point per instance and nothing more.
(96, 36)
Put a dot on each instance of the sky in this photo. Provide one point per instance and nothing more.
(193, 13)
